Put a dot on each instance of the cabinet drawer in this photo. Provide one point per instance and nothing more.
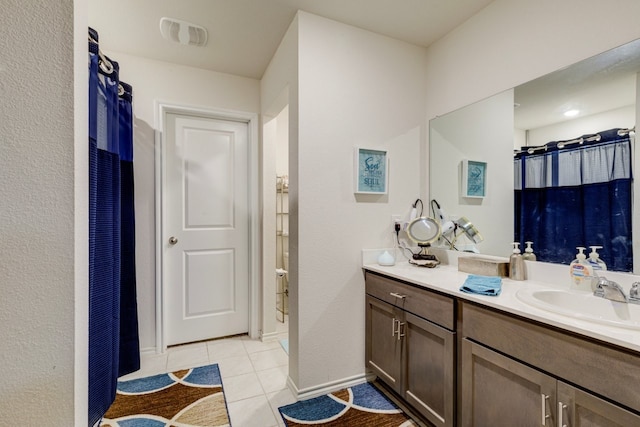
(429, 305)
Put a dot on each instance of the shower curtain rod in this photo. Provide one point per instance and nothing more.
(623, 132)
(563, 144)
(559, 144)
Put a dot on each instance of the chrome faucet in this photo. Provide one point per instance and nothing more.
(610, 290)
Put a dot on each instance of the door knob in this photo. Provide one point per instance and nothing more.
(173, 240)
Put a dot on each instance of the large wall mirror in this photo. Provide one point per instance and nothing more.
(601, 94)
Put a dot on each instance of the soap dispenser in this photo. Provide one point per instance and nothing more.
(528, 252)
(516, 263)
(594, 259)
(580, 270)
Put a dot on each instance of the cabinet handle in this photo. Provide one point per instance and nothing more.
(545, 416)
(400, 333)
(393, 326)
(397, 295)
(561, 408)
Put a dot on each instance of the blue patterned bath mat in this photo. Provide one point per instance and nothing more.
(359, 406)
(186, 398)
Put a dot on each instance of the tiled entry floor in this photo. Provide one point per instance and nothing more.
(254, 374)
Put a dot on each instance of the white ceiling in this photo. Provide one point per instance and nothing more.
(601, 83)
(244, 34)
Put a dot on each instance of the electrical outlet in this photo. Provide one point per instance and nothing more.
(396, 219)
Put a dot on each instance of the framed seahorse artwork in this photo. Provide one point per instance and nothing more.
(474, 179)
(372, 171)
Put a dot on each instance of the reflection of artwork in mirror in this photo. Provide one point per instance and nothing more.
(474, 179)
(371, 171)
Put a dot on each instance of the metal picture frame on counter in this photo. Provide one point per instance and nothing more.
(474, 179)
(371, 171)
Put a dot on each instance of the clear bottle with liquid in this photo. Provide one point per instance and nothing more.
(516, 263)
(528, 252)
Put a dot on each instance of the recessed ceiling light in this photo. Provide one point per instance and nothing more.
(571, 113)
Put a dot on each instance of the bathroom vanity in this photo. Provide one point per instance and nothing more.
(468, 360)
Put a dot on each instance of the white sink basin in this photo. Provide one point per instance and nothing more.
(584, 306)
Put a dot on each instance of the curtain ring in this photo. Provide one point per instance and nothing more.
(120, 90)
(105, 65)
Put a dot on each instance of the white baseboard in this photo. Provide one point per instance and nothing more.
(271, 336)
(322, 389)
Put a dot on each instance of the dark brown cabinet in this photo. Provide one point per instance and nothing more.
(428, 362)
(516, 372)
(384, 347)
(408, 351)
(498, 390)
(581, 409)
(461, 363)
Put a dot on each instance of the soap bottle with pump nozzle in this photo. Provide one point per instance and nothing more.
(581, 272)
(594, 259)
(528, 252)
(516, 263)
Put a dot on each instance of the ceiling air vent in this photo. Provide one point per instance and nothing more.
(183, 32)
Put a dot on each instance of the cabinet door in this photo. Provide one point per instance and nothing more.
(383, 342)
(429, 363)
(498, 391)
(581, 409)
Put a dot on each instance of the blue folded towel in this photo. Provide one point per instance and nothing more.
(482, 285)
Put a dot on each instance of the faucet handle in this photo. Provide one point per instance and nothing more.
(596, 285)
(634, 293)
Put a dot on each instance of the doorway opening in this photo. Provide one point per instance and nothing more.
(276, 227)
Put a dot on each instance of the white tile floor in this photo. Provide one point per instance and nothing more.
(254, 374)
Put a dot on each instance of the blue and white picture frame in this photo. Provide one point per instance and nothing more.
(372, 171)
(474, 179)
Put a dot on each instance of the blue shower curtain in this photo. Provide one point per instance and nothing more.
(576, 195)
(113, 321)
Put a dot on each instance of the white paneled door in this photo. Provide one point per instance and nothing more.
(205, 228)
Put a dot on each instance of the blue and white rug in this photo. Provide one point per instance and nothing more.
(359, 406)
(186, 398)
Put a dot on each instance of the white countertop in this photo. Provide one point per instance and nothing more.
(447, 279)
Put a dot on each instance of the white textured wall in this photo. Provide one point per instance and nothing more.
(160, 81)
(37, 302)
(513, 41)
(356, 88)
(282, 143)
(278, 89)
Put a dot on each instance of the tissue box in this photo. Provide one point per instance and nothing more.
(484, 266)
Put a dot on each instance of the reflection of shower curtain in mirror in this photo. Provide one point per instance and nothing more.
(576, 194)
(113, 322)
